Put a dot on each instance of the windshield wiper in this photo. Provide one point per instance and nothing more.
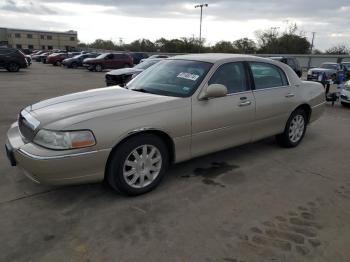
(141, 90)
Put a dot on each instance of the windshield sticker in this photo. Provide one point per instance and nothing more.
(188, 76)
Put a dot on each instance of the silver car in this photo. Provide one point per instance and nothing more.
(181, 108)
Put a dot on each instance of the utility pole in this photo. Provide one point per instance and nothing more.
(312, 42)
(311, 49)
(200, 24)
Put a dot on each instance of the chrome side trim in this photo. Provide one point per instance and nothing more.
(36, 157)
(320, 104)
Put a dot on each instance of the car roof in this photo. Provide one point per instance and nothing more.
(217, 57)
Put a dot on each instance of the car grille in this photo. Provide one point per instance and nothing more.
(26, 131)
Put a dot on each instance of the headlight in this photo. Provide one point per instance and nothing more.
(309, 72)
(64, 140)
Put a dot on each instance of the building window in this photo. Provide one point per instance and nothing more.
(72, 38)
(42, 37)
(30, 47)
(29, 36)
(19, 46)
(49, 47)
(43, 47)
(17, 35)
(49, 37)
(9, 35)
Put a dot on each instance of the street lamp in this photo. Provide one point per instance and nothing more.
(200, 25)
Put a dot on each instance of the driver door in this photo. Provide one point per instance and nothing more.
(227, 121)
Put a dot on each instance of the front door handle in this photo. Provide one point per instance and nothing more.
(246, 103)
(289, 95)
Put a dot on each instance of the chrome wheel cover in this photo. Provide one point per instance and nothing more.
(296, 128)
(142, 166)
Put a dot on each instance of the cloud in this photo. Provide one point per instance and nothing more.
(232, 18)
(27, 7)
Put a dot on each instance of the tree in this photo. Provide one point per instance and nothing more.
(103, 44)
(290, 42)
(338, 50)
(245, 46)
(224, 47)
(141, 45)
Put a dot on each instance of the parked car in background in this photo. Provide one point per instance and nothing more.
(176, 110)
(346, 66)
(122, 76)
(42, 58)
(56, 58)
(72, 54)
(292, 62)
(77, 60)
(154, 56)
(36, 56)
(345, 94)
(327, 71)
(108, 61)
(137, 57)
(12, 59)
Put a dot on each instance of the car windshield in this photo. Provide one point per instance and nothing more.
(329, 66)
(179, 78)
(146, 64)
(347, 65)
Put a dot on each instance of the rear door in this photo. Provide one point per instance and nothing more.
(274, 97)
(227, 121)
(118, 61)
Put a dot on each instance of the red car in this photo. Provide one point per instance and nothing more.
(108, 61)
(56, 58)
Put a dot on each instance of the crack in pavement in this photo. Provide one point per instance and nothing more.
(29, 196)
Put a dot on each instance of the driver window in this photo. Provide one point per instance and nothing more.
(110, 56)
(231, 75)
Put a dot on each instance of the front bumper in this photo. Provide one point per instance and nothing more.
(55, 167)
(345, 96)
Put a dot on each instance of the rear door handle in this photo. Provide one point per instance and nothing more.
(289, 95)
(246, 103)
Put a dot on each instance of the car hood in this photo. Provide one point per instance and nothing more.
(319, 69)
(96, 100)
(124, 71)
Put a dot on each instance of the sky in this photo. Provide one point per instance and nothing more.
(128, 20)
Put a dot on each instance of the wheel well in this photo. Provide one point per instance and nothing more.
(164, 136)
(307, 110)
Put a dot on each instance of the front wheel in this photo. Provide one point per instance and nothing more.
(13, 67)
(138, 165)
(295, 129)
(345, 104)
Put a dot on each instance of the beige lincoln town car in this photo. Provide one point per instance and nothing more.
(183, 107)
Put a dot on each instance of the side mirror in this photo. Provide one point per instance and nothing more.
(213, 91)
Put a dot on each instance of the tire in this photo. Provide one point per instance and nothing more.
(13, 67)
(98, 68)
(127, 178)
(126, 66)
(55, 64)
(294, 131)
(74, 65)
(345, 104)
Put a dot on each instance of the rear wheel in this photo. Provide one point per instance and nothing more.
(295, 129)
(138, 165)
(98, 68)
(13, 67)
(74, 65)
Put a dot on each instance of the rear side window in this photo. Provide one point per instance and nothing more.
(267, 76)
(231, 75)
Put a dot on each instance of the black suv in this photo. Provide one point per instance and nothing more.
(12, 59)
(292, 62)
